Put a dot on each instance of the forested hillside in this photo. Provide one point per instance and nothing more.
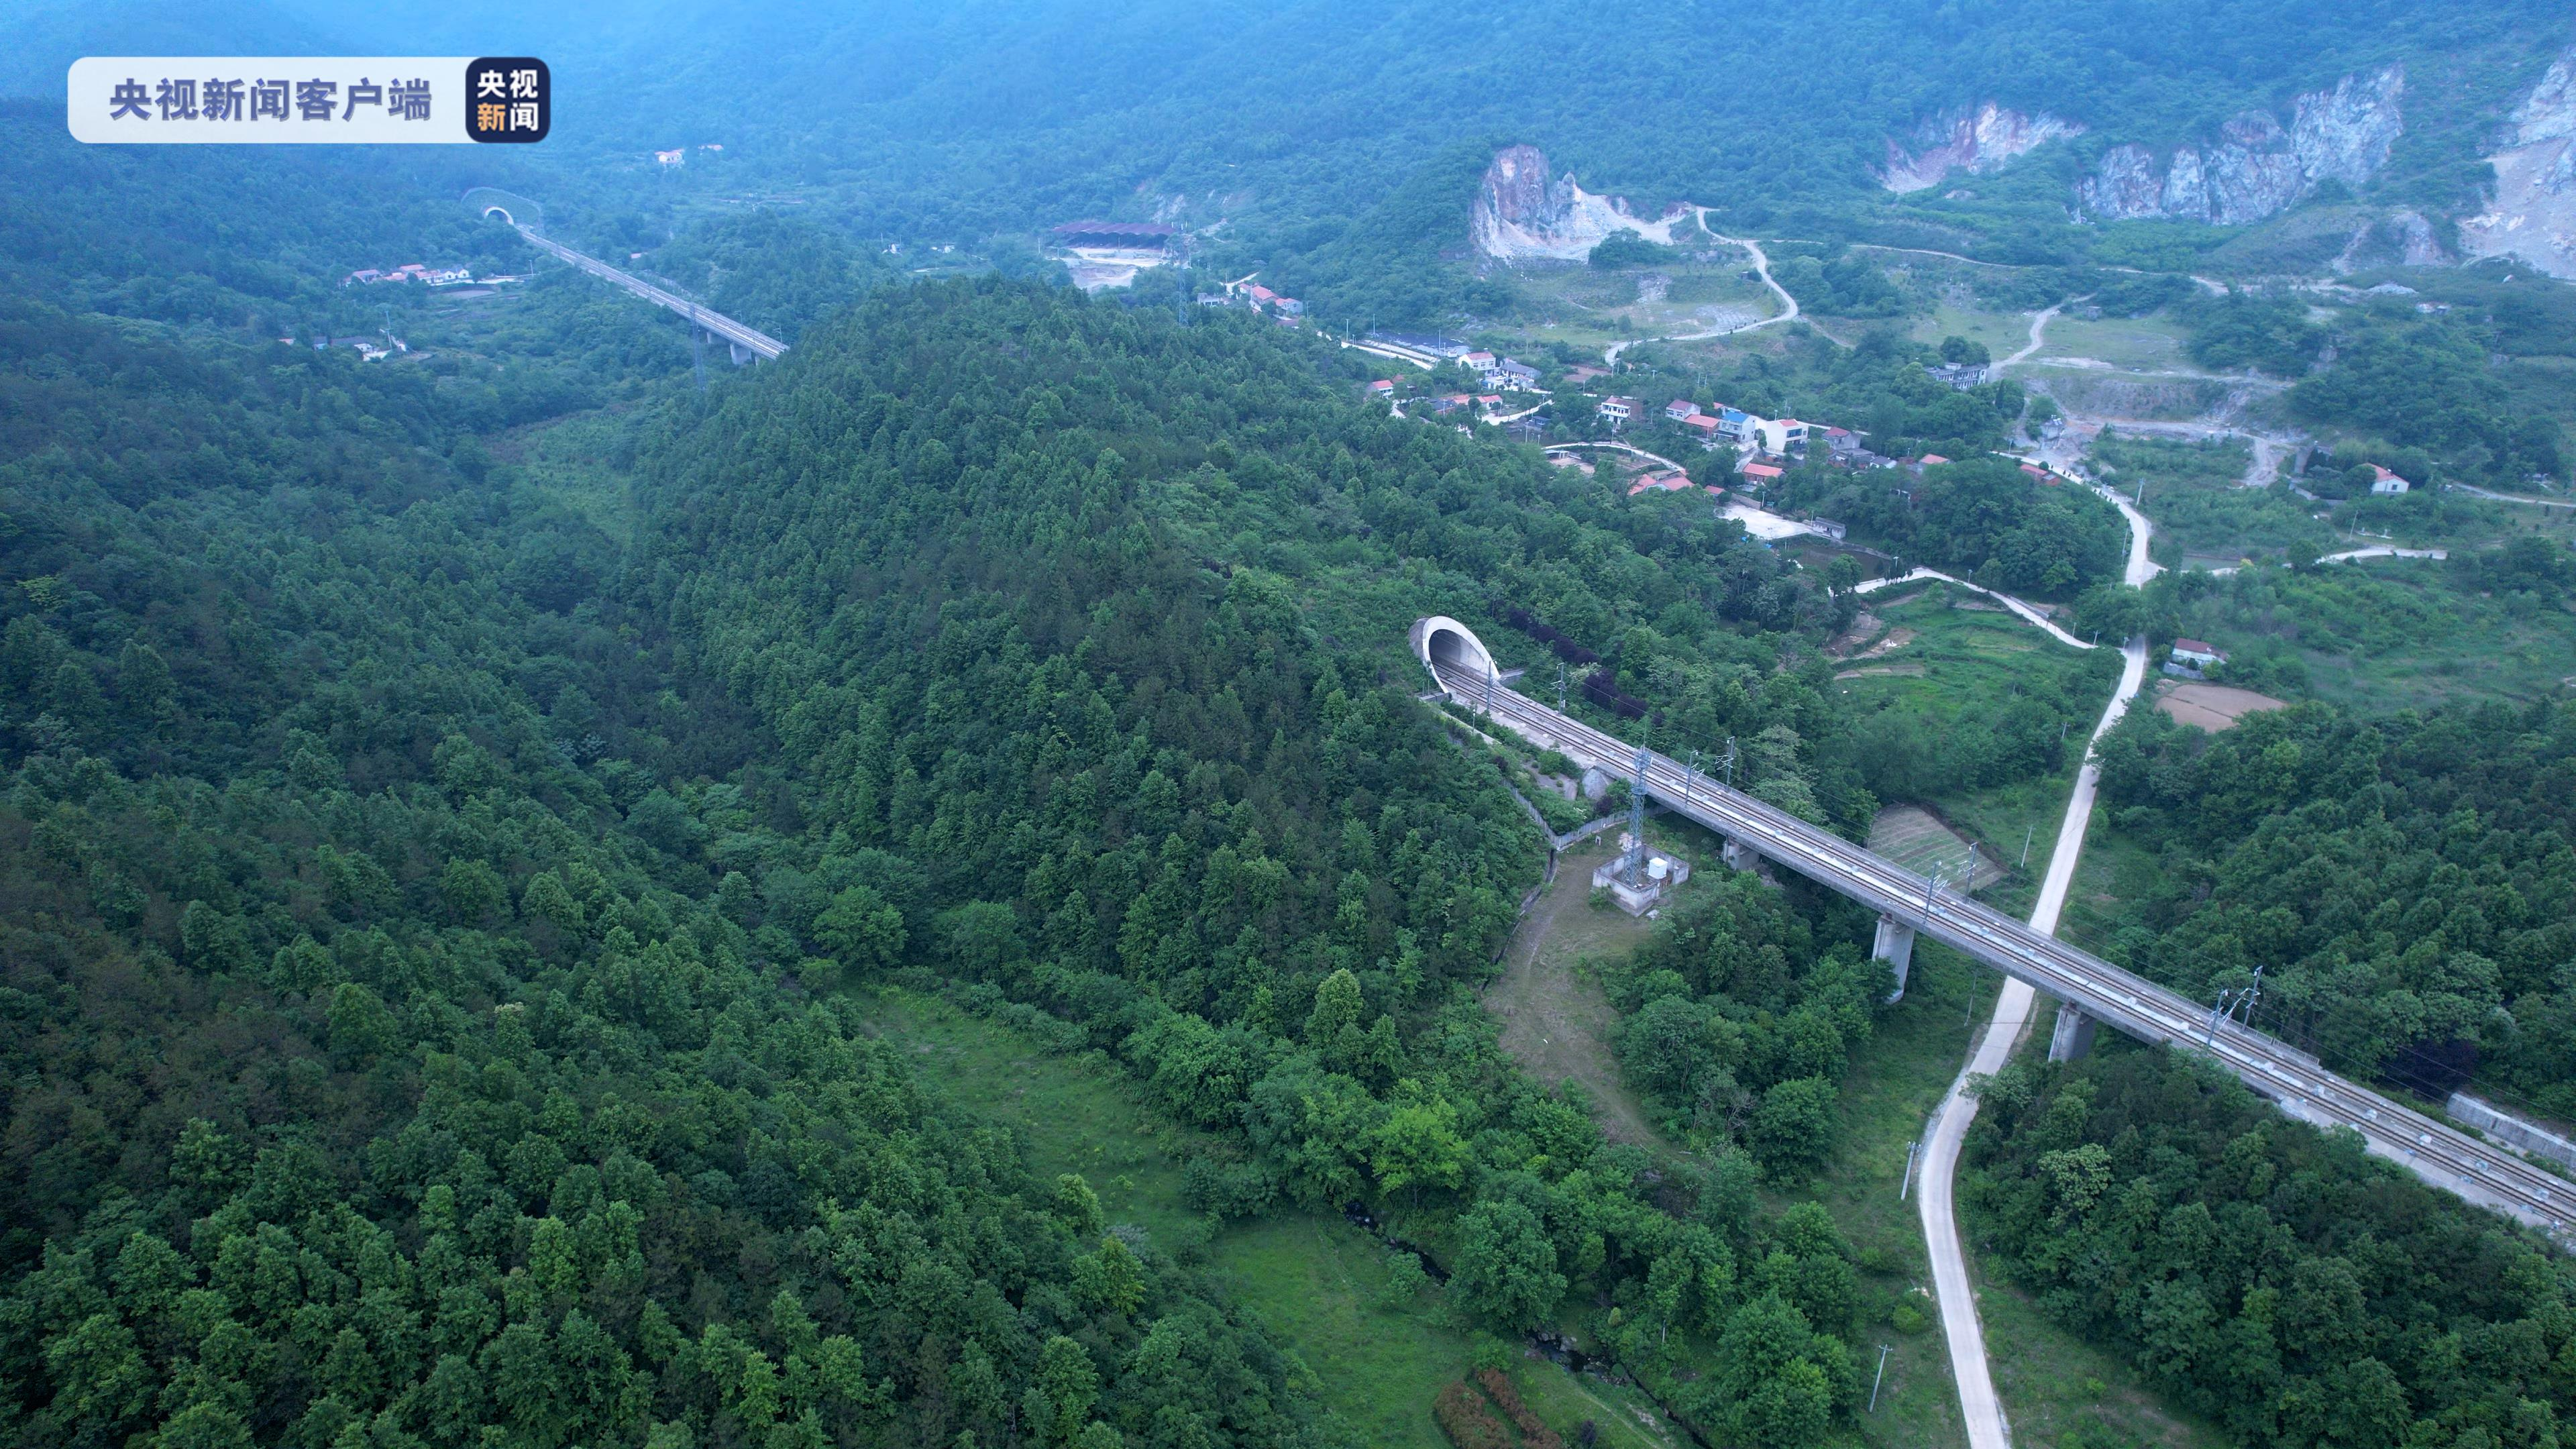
(2406, 884)
(384, 1061)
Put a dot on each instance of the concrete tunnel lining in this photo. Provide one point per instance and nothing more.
(1444, 640)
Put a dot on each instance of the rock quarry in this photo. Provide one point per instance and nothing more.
(1974, 142)
(2533, 214)
(2255, 167)
(1524, 213)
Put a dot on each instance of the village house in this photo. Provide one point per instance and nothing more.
(1478, 361)
(1620, 410)
(679, 157)
(1383, 387)
(2040, 475)
(1842, 442)
(1779, 435)
(1734, 425)
(1703, 426)
(1516, 376)
(2385, 483)
(1673, 482)
(1681, 409)
(1760, 474)
(2190, 656)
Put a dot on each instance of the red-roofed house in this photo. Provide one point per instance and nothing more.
(1761, 473)
(2189, 657)
(1681, 409)
(1842, 441)
(2384, 482)
(1659, 482)
(1704, 426)
(1383, 387)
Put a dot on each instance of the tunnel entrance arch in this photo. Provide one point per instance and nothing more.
(502, 212)
(1444, 642)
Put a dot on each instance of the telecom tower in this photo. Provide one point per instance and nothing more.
(1637, 816)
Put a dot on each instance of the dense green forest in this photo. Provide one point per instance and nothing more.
(445, 801)
(2285, 1285)
(2406, 883)
(427, 914)
(1981, 517)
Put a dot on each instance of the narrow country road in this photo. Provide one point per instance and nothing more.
(2028, 613)
(2508, 497)
(2038, 334)
(1979, 1405)
(1761, 266)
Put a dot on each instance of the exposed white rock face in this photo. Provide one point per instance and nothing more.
(1524, 214)
(1975, 141)
(2534, 215)
(2254, 168)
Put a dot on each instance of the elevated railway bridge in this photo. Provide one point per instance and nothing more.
(2097, 991)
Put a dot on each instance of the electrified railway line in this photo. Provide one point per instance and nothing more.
(2434, 1151)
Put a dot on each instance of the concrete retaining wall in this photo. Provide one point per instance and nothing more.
(2511, 1131)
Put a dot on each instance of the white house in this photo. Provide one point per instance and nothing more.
(1681, 408)
(2385, 483)
(2190, 656)
(1779, 435)
(1620, 410)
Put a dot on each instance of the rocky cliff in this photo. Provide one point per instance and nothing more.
(1524, 213)
(1975, 141)
(2255, 167)
(2534, 213)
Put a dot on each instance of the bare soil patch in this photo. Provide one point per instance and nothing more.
(1897, 638)
(2214, 707)
(1864, 625)
(1557, 1023)
(1869, 669)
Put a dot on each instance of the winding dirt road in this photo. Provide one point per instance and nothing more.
(1761, 266)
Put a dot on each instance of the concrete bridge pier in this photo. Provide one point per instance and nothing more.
(2074, 1034)
(741, 354)
(1738, 855)
(1895, 946)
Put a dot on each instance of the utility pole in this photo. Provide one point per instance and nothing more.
(1560, 686)
(1882, 1378)
(2026, 832)
(1694, 773)
(1730, 762)
(1906, 1184)
(1489, 690)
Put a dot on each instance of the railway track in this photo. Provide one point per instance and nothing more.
(2436, 1152)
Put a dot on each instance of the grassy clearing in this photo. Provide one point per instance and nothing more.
(567, 464)
(2385, 634)
(2003, 333)
(2154, 343)
(1589, 307)
(1556, 1022)
(2202, 512)
(1314, 1279)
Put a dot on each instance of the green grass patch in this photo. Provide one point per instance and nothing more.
(1315, 1280)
